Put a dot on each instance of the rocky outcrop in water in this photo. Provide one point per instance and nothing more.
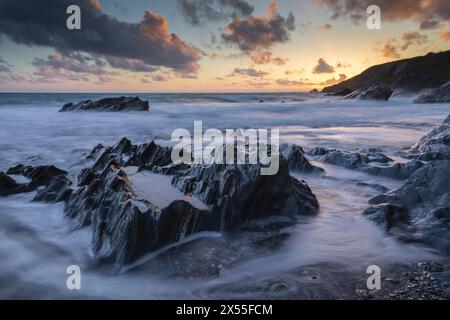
(109, 104)
(372, 162)
(380, 92)
(439, 95)
(125, 227)
(435, 145)
(297, 161)
(419, 210)
(53, 183)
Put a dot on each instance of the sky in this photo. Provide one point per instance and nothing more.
(208, 45)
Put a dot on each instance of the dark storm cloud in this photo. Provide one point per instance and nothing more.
(197, 12)
(427, 13)
(43, 23)
(260, 33)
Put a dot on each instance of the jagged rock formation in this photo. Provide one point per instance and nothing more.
(439, 95)
(380, 92)
(372, 162)
(435, 145)
(297, 161)
(125, 227)
(420, 209)
(109, 104)
(54, 183)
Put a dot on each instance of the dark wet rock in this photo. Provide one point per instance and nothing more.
(109, 104)
(380, 92)
(59, 189)
(341, 92)
(314, 91)
(148, 156)
(435, 145)
(418, 211)
(9, 186)
(297, 161)
(439, 95)
(178, 220)
(371, 162)
(54, 182)
(239, 193)
(125, 227)
(396, 171)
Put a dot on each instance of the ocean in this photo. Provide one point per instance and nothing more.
(37, 243)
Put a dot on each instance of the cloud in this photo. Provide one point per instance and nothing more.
(322, 67)
(291, 83)
(266, 57)
(342, 65)
(56, 66)
(160, 78)
(259, 33)
(412, 38)
(248, 72)
(295, 71)
(444, 35)
(325, 27)
(148, 41)
(4, 66)
(130, 64)
(197, 12)
(393, 47)
(425, 12)
(430, 24)
(332, 81)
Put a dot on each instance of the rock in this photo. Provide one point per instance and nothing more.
(55, 183)
(8, 186)
(435, 145)
(297, 161)
(57, 190)
(109, 104)
(371, 162)
(314, 91)
(380, 92)
(238, 193)
(419, 210)
(126, 227)
(341, 92)
(439, 95)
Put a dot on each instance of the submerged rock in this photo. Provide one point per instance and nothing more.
(439, 95)
(109, 104)
(380, 92)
